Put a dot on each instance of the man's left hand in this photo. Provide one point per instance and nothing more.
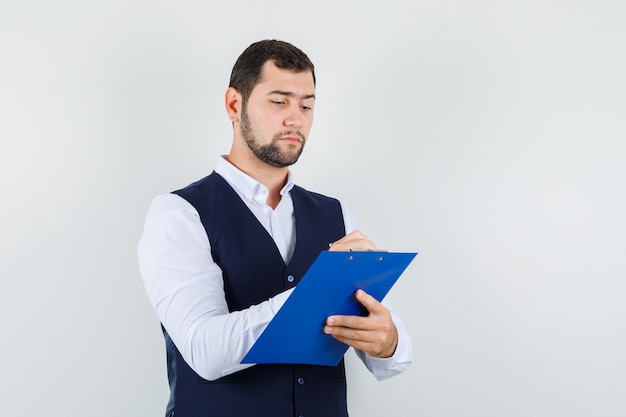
(375, 334)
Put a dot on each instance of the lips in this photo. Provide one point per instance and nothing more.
(292, 137)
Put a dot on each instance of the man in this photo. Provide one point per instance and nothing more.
(220, 257)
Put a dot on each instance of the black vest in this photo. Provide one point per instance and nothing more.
(253, 271)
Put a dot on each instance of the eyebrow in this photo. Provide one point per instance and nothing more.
(292, 95)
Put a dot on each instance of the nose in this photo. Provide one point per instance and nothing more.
(295, 119)
(294, 122)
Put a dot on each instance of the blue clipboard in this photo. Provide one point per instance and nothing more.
(295, 335)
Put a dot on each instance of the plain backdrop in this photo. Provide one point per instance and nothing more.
(486, 135)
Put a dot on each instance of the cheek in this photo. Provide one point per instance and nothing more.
(261, 121)
(305, 129)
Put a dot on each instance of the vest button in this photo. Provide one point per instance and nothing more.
(301, 381)
(291, 278)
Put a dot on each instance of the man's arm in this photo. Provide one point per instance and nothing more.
(185, 288)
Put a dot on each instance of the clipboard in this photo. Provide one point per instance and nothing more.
(295, 334)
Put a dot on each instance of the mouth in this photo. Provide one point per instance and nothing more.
(292, 137)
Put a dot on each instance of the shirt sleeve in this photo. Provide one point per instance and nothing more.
(185, 287)
(383, 368)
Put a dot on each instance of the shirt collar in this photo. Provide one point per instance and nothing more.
(243, 184)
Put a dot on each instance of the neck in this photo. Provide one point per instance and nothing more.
(274, 178)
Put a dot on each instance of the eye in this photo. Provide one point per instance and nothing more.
(306, 108)
(278, 102)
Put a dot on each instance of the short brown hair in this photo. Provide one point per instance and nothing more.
(246, 72)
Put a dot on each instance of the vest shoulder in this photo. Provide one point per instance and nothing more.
(203, 193)
(313, 195)
(201, 184)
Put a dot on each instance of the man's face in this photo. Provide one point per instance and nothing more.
(277, 117)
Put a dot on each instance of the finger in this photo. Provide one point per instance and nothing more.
(349, 322)
(373, 306)
(355, 235)
(374, 343)
(355, 241)
(350, 335)
(370, 303)
(354, 341)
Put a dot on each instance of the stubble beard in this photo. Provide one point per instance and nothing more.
(271, 153)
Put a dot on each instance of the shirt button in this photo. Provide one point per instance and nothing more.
(301, 381)
(291, 278)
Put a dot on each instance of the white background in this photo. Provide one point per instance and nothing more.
(487, 135)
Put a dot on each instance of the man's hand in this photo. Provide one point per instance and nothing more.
(353, 241)
(376, 335)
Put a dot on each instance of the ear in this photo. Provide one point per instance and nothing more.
(233, 102)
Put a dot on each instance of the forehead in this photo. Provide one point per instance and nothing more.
(274, 78)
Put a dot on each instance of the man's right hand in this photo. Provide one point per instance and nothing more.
(354, 241)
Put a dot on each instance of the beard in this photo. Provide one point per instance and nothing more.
(271, 153)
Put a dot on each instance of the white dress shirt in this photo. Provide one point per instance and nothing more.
(186, 289)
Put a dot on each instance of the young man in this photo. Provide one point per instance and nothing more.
(220, 257)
